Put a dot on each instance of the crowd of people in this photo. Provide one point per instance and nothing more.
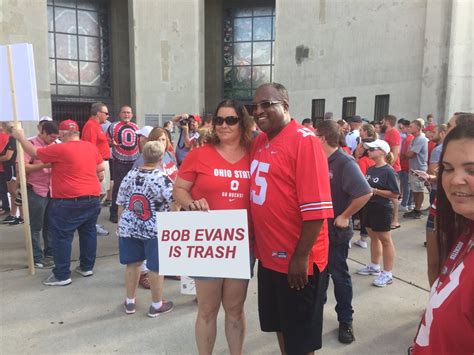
(306, 189)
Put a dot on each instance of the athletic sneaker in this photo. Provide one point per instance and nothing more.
(412, 214)
(368, 270)
(44, 264)
(8, 219)
(166, 307)
(346, 333)
(361, 243)
(404, 208)
(383, 280)
(15, 221)
(101, 231)
(129, 307)
(53, 281)
(83, 273)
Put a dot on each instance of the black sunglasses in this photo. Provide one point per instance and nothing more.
(266, 104)
(229, 120)
(105, 113)
(373, 149)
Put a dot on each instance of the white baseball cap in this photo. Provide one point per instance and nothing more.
(45, 118)
(144, 131)
(378, 143)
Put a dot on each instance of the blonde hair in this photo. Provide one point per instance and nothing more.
(153, 152)
(389, 158)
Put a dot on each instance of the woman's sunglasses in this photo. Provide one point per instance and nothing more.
(373, 149)
(229, 120)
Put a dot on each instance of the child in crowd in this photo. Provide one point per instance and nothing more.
(143, 192)
(377, 213)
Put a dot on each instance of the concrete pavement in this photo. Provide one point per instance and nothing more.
(86, 317)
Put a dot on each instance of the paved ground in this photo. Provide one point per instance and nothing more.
(86, 317)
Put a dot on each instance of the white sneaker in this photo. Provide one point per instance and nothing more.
(361, 243)
(368, 270)
(403, 208)
(101, 230)
(83, 273)
(382, 280)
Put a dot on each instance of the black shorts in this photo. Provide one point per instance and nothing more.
(377, 217)
(10, 172)
(296, 314)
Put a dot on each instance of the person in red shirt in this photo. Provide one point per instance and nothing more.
(216, 177)
(393, 138)
(447, 326)
(290, 203)
(4, 138)
(430, 131)
(407, 137)
(76, 168)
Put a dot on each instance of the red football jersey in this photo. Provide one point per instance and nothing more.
(224, 185)
(74, 168)
(448, 323)
(392, 137)
(289, 185)
(404, 163)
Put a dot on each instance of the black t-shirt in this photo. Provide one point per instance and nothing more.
(11, 145)
(382, 178)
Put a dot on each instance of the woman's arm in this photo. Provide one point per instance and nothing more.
(8, 155)
(385, 193)
(182, 195)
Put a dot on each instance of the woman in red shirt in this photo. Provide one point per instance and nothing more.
(216, 177)
(447, 326)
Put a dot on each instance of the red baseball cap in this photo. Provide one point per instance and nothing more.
(69, 125)
(197, 118)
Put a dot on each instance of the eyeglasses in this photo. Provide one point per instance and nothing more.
(105, 113)
(373, 149)
(229, 120)
(266, 104)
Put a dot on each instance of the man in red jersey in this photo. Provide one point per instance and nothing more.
(394, 140)
(76, 168)
(92, 132)
(290, 202)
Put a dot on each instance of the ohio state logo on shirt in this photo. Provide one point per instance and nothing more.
(140, 206)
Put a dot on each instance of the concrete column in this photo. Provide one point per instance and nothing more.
(435, 59)
(166, 56)
(460, 94)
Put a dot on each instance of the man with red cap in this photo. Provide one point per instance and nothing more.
(76, 171)
(188, 134)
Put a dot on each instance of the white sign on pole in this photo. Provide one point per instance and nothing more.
(25, 83)
(213, 244)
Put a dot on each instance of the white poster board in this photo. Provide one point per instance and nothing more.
(25, 83)
(213, 244)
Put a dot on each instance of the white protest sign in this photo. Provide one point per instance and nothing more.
(213, 244)
(24, 78)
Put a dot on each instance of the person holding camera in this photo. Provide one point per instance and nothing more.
(188, 134)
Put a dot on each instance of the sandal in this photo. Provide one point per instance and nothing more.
(395, 227)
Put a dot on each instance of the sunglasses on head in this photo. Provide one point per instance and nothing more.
(229, 120)
(266, 104)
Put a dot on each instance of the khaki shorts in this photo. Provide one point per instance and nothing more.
(415, 184)
(105, 184)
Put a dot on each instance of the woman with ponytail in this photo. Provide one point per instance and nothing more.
(377, 213)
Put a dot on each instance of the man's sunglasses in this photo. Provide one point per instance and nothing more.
(229, 120)
(105, 113)
(266, 104)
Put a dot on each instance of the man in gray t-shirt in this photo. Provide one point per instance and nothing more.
(350, 192)
(418, 160)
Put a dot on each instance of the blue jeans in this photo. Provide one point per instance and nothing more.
(37, 206)
(65, 217)
(339, 272)
(407, 197)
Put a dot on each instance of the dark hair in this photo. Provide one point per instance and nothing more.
(207, 118)
(278, 87)
(331, 132)
(306, 120)
(449, 224)
(96, 107)
(49, 127)
(392, 119)
(464, 118)
(156, 133)
(245, 123)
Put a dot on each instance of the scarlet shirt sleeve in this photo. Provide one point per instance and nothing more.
(312, 180)
(392, 138)
(188, 169)
(49, 154)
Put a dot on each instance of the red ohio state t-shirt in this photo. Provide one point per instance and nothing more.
(74, 168)
(225, 186)
(392, 137)
(290, 184)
